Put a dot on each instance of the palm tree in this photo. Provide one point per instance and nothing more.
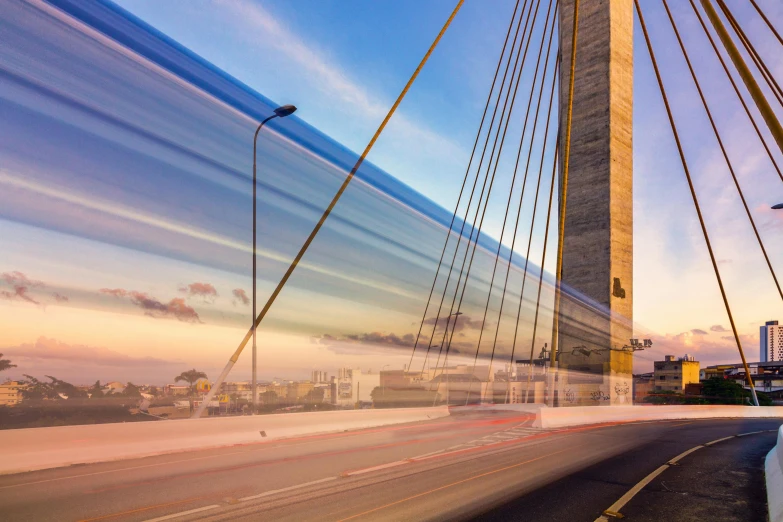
(191, 377)
(5, 363)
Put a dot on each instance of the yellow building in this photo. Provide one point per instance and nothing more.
(673, 374)
(297, 390)
(11, 393)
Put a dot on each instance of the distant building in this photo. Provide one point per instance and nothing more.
(771, 342)
(352, 387)
(673, 374)
(177, 389)
(402, 379)
(11, 393)
(319, 376)
(643, 385)
(239, 390)
(298, 390)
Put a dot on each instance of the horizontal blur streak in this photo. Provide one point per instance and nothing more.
(126, 165)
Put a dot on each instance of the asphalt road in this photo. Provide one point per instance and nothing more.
(479, 465)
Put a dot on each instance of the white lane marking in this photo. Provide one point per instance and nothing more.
(376, 468)
(430, 453)
(69, 477)
(750, 433)
(615, 508)
(283, 490)
(183, 513)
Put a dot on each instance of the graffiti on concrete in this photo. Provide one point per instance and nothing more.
(599, 396)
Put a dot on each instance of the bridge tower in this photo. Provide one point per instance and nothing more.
(598, 240)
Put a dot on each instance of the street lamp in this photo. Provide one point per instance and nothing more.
(448, 347)
(280, 112)
(384, 387)
(777, 207)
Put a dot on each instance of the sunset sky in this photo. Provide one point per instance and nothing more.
(124, 207)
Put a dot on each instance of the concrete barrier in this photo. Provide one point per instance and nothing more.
(773, 473)
(580, 415)
(41, 448)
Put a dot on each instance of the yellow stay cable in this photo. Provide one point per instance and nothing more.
(325, 215)
(564, 190)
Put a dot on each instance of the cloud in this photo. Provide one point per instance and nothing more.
(717, 328)
(203, 290)
(116, 292)
(240, 295)
(334, 82)
(20, 284)
(52, 349)
(391, 339)
(463, 322)
(698, 331)
(174, 309)
(60, 298)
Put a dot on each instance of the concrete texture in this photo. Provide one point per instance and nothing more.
(773, 474)
(42, 448)
(598, 242)
(581, 415)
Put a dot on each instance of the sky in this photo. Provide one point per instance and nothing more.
(132, 206)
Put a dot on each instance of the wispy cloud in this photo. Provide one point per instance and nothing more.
(205, 291)
(60, 298)
(176, 308)
(21, 286)
(241, 296)
(334, 82)
(51, 349)
(717, 328)
(462, 322)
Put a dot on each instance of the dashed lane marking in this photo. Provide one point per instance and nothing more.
(183, 513)
(283, 490)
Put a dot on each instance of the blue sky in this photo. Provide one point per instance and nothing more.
(96, 204)
(327, 55)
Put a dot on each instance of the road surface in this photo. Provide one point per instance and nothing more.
(472, 465)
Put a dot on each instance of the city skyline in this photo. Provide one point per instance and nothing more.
(96, 265)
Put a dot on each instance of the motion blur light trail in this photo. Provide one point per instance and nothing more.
(126, 175)
(126, 158)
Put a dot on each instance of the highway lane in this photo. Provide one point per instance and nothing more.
(505, 482)
(139, 489)
(723, 481)
(486, 465)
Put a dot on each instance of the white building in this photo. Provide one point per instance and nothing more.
(771, 342)
(352, 386)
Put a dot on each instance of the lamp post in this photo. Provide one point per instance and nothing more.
(280, 112)
(383, 388)
(777, 207)
(455, 315)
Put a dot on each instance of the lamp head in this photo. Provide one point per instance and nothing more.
(778, 206)
(285, 110)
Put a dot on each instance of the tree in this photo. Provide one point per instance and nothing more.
(191, 377)
(5, 364)
(53, 390)
(665, 397)
(131, 390)
(727, 391)
(315, 396)
(268, 397)
(96, 392)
